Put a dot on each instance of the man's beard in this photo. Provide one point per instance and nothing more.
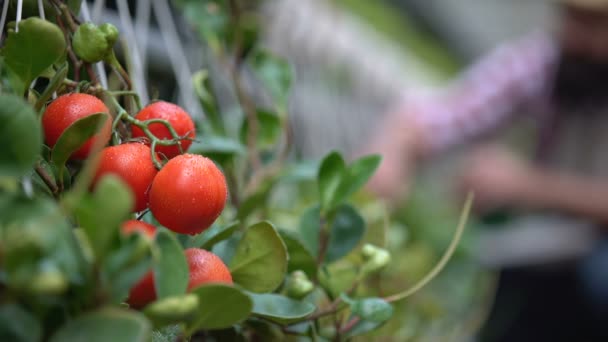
(580, 83)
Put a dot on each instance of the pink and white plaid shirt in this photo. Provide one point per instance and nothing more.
(512, 75)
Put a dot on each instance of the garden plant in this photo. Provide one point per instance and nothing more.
(130, 221)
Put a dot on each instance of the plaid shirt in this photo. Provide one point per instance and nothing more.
(515, 74)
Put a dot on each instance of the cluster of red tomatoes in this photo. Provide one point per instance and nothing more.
(186, 195)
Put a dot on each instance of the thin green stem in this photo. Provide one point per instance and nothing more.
(131, 93)
(323, 239)
(144, 126)
(47, 179)
(117, 67)
(444, 259)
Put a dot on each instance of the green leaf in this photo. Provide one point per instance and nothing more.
(280, 309)
(20, 136)
(101, 214)
(269, 129)
(275, 73)
(171, 272)
(217, 145)
(173, 309)
(260, 260)
(299, 257)
(357, 174)
(33, 231)
(109, 324)
(220, 307)
(75, 136)
(206, 95)
(18, 325)
(126, 265)
(305, 170)
(257, 200)
(373, 312)
(372, 309)
(37, 45)
(347, 230)
(208, 238)
(211, 20)
(310, 226)
(330, 177)
(55, 82)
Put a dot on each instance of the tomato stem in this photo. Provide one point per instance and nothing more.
(444, 259)
(47, 179)
(145, 127)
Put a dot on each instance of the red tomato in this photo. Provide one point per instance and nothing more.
(204, 267)
(66, 109)
(143, 292)
(188, 194)
(132, 226)
(176, 116)
(133, 164)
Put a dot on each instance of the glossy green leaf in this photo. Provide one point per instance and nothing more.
(75, 136)
(347, 228)
(20, 136)
(371, 309)
(372, 312)
(279, 308)
(208, 238)
(109, 324)
(171, 272)
(174, 309)
(275, 73)
(310, 226)
(217, 145)
(330, 176)
(37, 45)
(269, 129)
(18, 325)
(299, 257)
(226, 249)
(220, 307)
(54, 83)
(357, 174)
(260, 260)
(101, 214)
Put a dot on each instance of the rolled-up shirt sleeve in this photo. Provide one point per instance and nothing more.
(487, 93)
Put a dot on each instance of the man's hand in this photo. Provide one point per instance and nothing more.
(398, 140)
(497, 176)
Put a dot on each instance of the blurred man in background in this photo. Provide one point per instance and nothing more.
(561, 77)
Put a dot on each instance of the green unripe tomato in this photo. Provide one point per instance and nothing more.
(173, 309)
(111, 33)
(93, 44)
(375, 258)
(299, 285)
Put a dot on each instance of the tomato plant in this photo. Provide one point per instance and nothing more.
(241, 239)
